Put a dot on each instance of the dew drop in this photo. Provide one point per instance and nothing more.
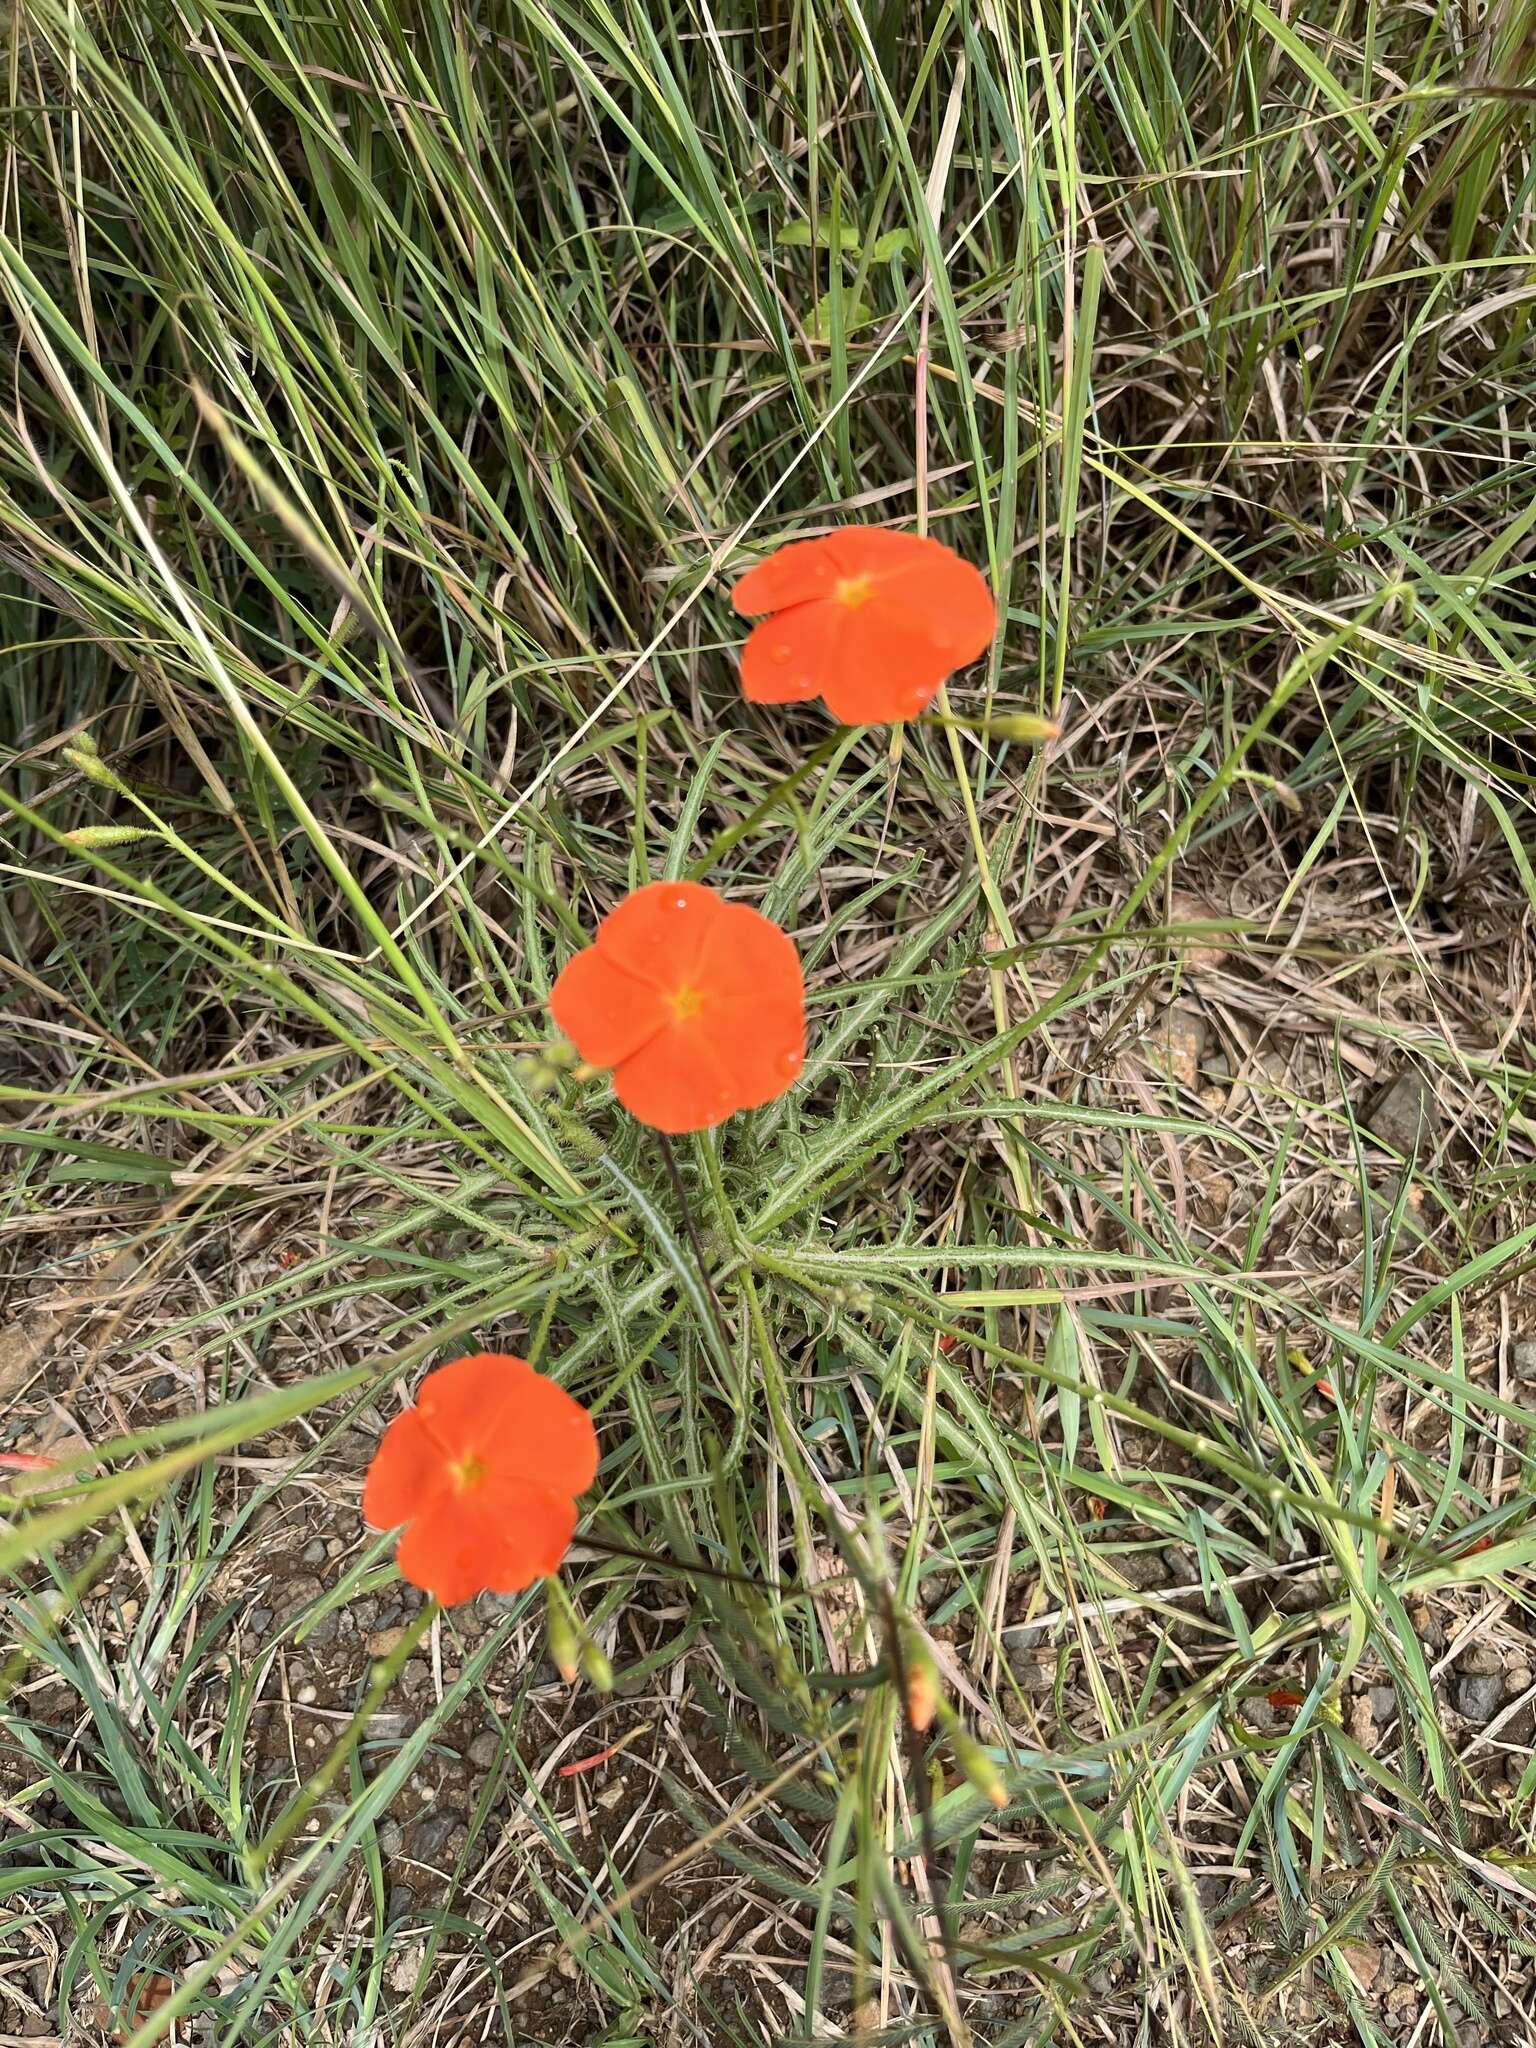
(780, 653)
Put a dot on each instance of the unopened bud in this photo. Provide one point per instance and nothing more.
(1023, 726)
(107, 835)
(560, 1633)
(595, 1665)
(84, 758)
(978, 1768)
(923, 1691)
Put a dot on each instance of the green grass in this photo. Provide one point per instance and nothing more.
(391, 399)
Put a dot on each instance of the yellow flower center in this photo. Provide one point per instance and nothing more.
(469, 1473)
(685, 1003)
(854, 591)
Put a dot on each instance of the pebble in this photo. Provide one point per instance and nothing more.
(300, 1593)
(404, 1966)
(1403, 1114)
(437, 1839)
(314, 1552)
(1360, 1720)
(1523, 1359)
(1480, 1685)
(306, 1695)
(482, 1751)
(386, 1726)
(1182, 1042)
(1034, 1669)
(416, 1676)
(1517, 1677)
(1364, 1959)
(391, 1837)
(402, 1900)
(260, 1619)
(383, 1640)
(1383, 1704)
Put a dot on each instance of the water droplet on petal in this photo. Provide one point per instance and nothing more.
(780, 653)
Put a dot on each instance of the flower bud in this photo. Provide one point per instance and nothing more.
(980, 1773)
(598, 1670)
(107, 835)
(923, 1688)
(560, 1633)
(84, 758)
(1023, 726)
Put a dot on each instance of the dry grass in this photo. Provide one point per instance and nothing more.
(1134, 1298)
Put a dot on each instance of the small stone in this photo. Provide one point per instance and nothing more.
(1360, 1721)
(1180, 1044)
(1364, 1960)
(314, 1552)
(403, 1968)
(1303, 1594)
(483, 1751)
(1478, 1694)
(402, 1900)
(1480, 1660)
(1035, 1670)
(391, 1837)
(1383, 1705)
(1523, 1358)
(1403, 1115)
(383, 1640)
(386, 1726)
(260, 1620)
(1517, 1677)
(298, 1594)
(334, 1547)
(306, 1695)
(416, 1676)
(1425, 1624)
(436, 1838)
(1143, 1569)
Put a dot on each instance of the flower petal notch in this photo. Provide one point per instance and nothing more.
(696, 1004)
(483, 1474)
(873, 622)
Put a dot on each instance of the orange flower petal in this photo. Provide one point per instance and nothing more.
(657, 933)
(787, 658)
(793, 574)
(742, 1046)
(406, 1476)
(495, 1539)
(755, 1003)
(522, 1425)
(720, 991)
(677, 1083)
(877, 621)
(803, 570)
(606, 1011)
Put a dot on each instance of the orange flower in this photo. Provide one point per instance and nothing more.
(870, 620)
(484, 1472)
(696, 1004)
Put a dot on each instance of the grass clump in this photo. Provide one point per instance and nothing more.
(1128, 1311)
